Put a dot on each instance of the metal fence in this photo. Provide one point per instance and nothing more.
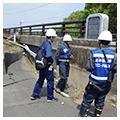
(76, 28)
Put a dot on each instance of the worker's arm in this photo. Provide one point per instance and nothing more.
(114, 66)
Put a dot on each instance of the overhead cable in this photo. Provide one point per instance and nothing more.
(29, 9)
(17, 7)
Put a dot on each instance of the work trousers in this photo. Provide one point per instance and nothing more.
(92, 94)
(64, 68)
(49, 75)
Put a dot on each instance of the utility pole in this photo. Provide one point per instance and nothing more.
(20, 24)
(20, 28)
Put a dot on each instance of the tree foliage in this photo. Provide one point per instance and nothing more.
(90, 8)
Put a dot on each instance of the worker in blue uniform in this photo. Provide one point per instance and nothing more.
(47, 72)
(63, 55)
(102, 63)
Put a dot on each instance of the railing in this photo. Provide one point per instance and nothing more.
(114, 41)
(76, 28)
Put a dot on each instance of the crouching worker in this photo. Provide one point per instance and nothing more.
(46, 72)
(63, 55)
(102, 63)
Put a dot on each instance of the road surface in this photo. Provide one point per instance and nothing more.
(18, 84)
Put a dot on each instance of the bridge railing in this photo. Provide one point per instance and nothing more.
(76, 28)
(114, 41)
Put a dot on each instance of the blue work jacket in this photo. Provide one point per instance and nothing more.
(46, 51)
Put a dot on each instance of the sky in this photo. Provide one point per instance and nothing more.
(16, 14)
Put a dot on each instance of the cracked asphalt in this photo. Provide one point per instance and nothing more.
(18, 84)
(17, 89)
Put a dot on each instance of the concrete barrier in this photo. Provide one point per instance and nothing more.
(37, 41)
(11, 57)
(80, 47)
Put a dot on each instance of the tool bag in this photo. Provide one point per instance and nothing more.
(41, 61)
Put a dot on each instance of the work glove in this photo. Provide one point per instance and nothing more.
(71, 57)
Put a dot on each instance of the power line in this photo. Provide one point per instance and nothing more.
(40, 19)
(47, 18)
(17, 7)
(29, 9)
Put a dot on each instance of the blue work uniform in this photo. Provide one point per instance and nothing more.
(45, 73)
(63, 53)
(99, 75)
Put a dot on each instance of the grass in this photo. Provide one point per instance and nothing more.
(5, 42)
(78, 94)
(114, 101)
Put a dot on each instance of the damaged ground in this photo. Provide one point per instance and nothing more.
(19, 82)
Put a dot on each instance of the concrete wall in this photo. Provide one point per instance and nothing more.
(80, 48)
(11, 57)
(37, 41)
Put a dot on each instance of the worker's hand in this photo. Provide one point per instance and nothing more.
(50, 68)
(50, 63)
(72, 57)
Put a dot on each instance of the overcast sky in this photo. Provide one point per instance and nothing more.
(37, 13)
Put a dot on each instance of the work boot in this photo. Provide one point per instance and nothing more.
(34, 97)
(83, 112)
(52, 100)
(97, 112)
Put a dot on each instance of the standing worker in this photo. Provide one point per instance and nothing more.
(63, 55)
(102, 63)
(47, 72)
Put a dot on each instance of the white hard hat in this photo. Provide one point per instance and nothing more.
(67, 38)
(105, 35)
(51, 32)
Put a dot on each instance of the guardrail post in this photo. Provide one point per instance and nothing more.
(63, 29)
(9, 31)
(30, 33)
(21, 31)
(116, 43)
(82, 30)
(43, 30)
(14, 30)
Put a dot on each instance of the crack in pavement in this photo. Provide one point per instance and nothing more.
(15, 82)
(22, 104)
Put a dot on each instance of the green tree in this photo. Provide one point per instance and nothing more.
(107, 8)
(90, 8)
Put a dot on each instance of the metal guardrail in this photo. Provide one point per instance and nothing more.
(114, 41)
(76, 27)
